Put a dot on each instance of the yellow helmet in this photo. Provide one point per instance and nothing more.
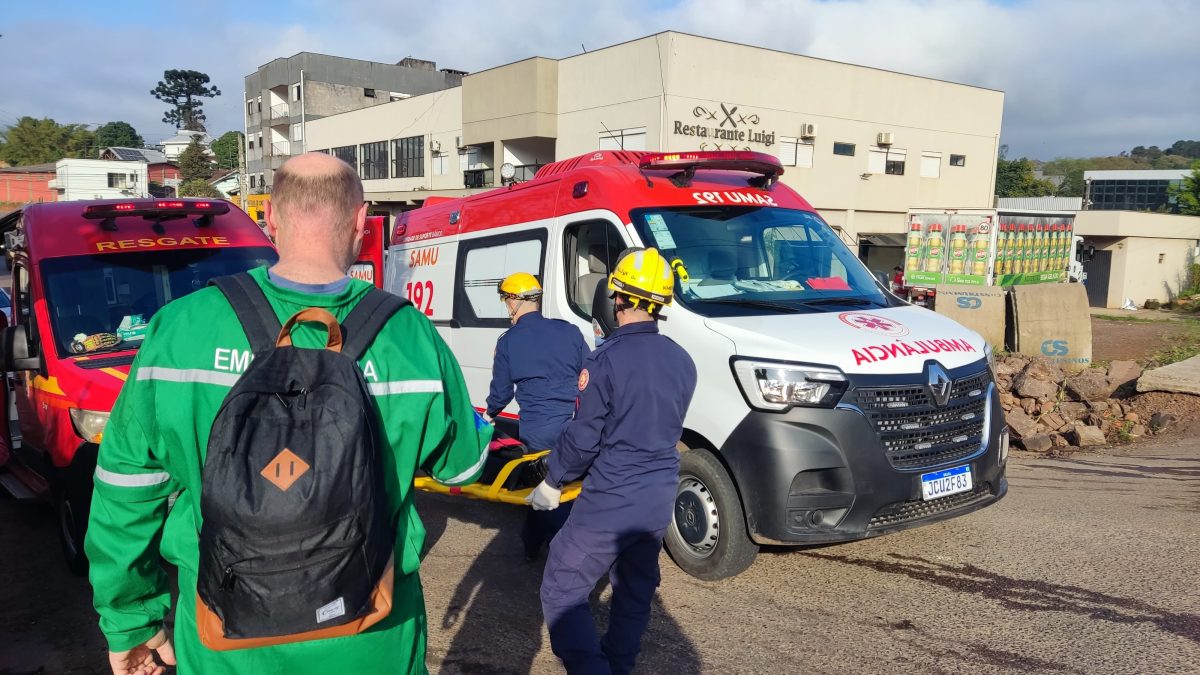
(643, 274)
(520, 285)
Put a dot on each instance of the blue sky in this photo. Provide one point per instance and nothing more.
(1080, 78)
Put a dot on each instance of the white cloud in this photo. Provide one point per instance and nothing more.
(1079, 78)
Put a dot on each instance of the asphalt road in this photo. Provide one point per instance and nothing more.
(1090, 565)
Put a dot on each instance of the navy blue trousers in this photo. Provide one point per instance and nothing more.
(579, 557)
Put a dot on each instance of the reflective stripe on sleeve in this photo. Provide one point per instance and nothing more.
(406, 387)
(188, 375)
(469, 473)
(132, 479)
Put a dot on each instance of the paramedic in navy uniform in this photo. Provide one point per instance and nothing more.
(634, 393)
(541, 358)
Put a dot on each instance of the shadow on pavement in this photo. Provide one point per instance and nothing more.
(495, 608)
(1030, 594)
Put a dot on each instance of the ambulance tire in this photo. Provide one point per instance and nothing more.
(712, 543)
(72, 504)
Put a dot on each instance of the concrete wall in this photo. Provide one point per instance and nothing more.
(519, 100)
(1138, 273)
(88, 179)
(435, 116)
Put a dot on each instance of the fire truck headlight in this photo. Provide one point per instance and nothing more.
(89, 424)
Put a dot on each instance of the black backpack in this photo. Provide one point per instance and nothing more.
(297, 539)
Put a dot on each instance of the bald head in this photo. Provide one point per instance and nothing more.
(316, 204)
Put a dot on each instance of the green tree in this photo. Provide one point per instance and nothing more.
(226, 149)
(1190, 149)
(1014, 178)
(182, 90)
(118, 134)
(199, 187)
(195, 162)
(1187, 192)
(34, 141)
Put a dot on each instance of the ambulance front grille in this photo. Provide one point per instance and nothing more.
(916, 433)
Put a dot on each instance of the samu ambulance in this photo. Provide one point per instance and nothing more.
(87, 277)
(826, 410)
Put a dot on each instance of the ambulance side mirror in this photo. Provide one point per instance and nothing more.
(602, 309)
(14, 347)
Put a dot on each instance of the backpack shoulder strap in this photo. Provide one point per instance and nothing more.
(258, 318)
(366, 320)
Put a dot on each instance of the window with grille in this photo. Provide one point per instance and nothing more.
(348, 154)
(408, 158)
(374, 160)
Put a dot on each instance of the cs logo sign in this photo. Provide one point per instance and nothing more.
(965, 302)
(1055, 348)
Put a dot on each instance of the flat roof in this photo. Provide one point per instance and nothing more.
(1137, 174)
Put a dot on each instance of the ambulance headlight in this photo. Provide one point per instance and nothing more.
(89, 424)
(777, 386)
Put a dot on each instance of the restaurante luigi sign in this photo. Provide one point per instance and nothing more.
(725, 128)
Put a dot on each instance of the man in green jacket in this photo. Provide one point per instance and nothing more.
(155, 441)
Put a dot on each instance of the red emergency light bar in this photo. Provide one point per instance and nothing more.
(156, 208)
(766, 166)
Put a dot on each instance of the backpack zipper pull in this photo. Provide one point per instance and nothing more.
(227, 580)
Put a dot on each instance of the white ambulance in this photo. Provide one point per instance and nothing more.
(826, 409)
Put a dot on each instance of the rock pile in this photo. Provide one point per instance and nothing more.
(1049, 410)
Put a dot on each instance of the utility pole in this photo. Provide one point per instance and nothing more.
(242, 171)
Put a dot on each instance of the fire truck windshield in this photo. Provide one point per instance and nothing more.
(102, 303)
(738, 260)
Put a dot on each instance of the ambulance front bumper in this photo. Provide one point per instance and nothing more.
(813, 476)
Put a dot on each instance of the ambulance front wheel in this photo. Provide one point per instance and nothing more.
(707, 537)
(72, 503)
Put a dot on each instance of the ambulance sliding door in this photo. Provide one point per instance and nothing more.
(479, 315)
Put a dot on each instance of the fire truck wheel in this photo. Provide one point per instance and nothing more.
(707, 536)
(72, 502)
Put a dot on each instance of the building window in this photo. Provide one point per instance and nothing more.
(374, 160)
(348, 154)
(250, 142)
(931, 165)
(252, 186)
(297, 132)
(397, 96)
(409, 157)
(958, 160)
(122, 181)
(886, 160)
(295, 92)
(787, 150)
(250, 107)
(260, 104)
(846, 149)
(469, 158)
(623, 139)
(369, 92)
(441, 163)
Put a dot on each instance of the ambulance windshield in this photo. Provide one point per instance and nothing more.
(737, 260)
(102, 303)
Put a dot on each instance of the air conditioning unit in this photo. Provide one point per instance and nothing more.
(808, 131)
(885, 138)
(436, 146)
(458, 142)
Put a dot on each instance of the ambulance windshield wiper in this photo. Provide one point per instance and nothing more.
(840, 301)
(764, 304)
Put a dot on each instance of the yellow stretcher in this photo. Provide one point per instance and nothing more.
(495, 491)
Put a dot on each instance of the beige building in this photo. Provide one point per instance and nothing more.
(1141, 256)
(862, 145)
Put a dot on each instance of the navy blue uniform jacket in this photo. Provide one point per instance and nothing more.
(635, 392)
(540, 357)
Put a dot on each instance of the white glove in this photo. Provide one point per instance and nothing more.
(544, 497)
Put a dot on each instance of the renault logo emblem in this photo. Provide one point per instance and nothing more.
(940, 384)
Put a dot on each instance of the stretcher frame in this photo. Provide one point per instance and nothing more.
(495, 491)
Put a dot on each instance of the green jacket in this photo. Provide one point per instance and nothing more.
(155, 443)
